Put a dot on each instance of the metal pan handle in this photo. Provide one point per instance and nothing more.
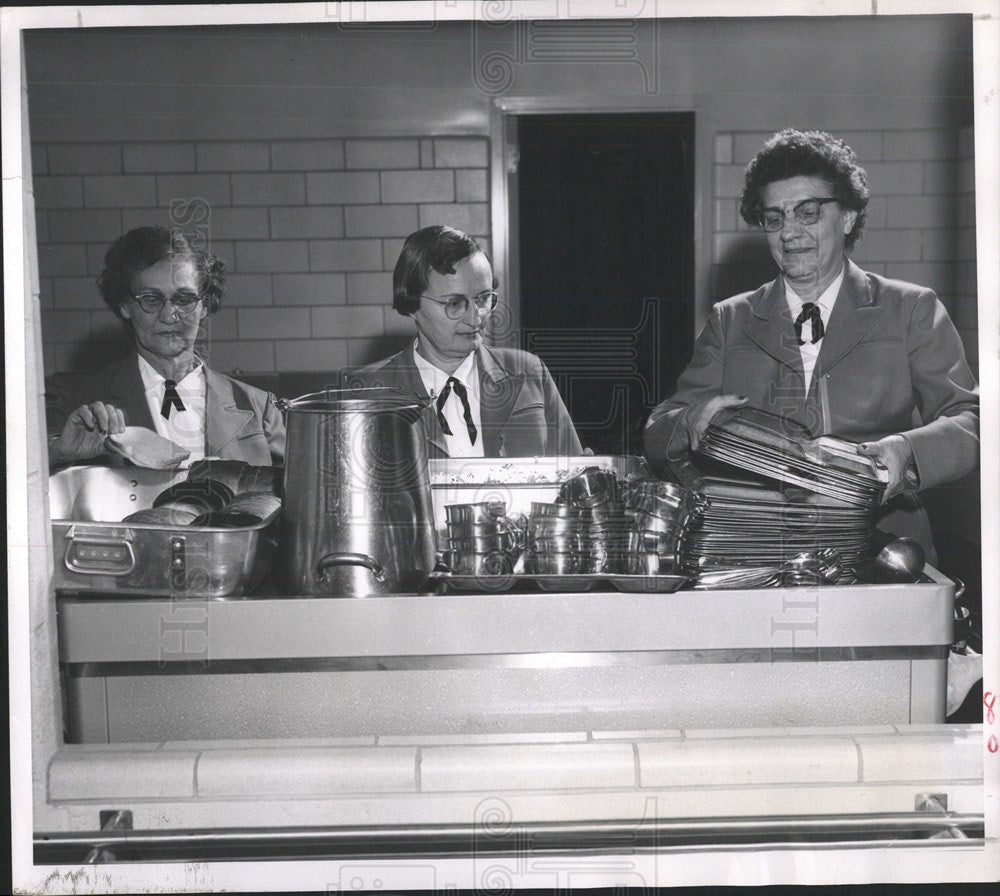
(348, 559)
(92, 554)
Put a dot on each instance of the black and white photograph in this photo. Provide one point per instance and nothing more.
(482, 445)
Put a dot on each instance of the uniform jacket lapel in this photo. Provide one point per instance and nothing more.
(499, 391)
(853, 316)
(772, 329)
(126, 390)
(224, 421)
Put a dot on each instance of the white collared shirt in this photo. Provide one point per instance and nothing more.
(809, 351)
(435, 379)
(187, 427)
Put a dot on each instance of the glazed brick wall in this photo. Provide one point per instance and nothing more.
(315, 226)
(310, 231)
(920, 226)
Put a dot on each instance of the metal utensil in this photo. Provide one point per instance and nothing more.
(901, 561)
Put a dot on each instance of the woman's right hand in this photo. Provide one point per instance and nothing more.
(85, 431)
(700, 415)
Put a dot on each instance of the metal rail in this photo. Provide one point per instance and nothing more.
(930, 827)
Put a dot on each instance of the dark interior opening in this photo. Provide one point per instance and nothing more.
(606, 237)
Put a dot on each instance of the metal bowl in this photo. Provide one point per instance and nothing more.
(467, 563)
(657, 505)
(590, 487)
(544, 511)
(650, 523)
(553, 564)
(660, 488)
(644, 541)
(480, 544)
(642, 564)
(555, 544)
(552, 527)
(482, 512)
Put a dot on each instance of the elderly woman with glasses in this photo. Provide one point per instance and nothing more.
(483, 401)
(162, 288)
(836, 349)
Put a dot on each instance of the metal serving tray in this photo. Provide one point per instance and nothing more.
(93, 551)
(629, 584)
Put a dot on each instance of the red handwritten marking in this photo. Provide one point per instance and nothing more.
(989, 700)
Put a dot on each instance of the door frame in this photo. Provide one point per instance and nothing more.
(504, 159)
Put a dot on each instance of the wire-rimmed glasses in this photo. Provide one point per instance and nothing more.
(457, 306)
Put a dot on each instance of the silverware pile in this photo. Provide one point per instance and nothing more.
(823, 567)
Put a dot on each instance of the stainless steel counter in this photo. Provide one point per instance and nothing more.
(157, 669)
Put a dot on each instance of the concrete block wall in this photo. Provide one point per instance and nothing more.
(310, 231)
(921, 217)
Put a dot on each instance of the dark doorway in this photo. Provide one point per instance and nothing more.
(606, 248)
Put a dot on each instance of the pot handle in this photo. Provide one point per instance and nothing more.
(348, 559)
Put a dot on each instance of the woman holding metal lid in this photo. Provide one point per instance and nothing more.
(161, 405)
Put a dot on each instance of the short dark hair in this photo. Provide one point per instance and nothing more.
(792, 153)
(143, 247)
(438, 248)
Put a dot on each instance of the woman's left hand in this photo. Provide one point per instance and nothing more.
(896, 455)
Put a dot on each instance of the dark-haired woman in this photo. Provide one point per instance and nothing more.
(161, 288)
(838, 350)
(484, 402)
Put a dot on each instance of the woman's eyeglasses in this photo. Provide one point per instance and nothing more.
(807, 211)
(458, 306)
(151, 302)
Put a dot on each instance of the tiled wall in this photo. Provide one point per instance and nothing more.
(920, 226)
(310, 231)
(567, 776)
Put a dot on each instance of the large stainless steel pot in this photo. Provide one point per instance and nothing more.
(357, 518)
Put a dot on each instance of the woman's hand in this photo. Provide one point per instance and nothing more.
(700, 415)
(895, 454)
(84, 433)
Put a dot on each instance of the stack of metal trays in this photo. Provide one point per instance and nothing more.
(747, 524)
(793, 494)
(759, 442)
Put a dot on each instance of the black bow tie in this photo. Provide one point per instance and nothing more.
(810, 311)
(459, 390)
(170, 399)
